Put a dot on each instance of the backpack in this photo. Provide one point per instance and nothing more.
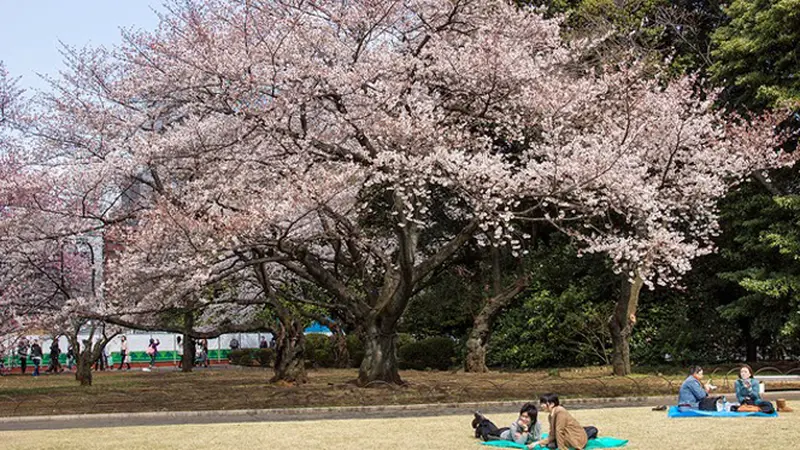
(709, 403)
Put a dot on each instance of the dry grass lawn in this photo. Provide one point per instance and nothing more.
(644, 428)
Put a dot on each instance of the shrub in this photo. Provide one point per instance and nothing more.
(265, 356)
(434, 353)
(404, 339)
(235, 356)
(319, 351)
(356, 349)
(246, 359)
(246, 356)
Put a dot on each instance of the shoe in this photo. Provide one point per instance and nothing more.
(478, 418)
(782, 406)
(660, 408)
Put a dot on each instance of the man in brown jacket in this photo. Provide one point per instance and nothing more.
(565, 431)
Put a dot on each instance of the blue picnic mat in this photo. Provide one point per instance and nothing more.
(600, 442)
(674, 412)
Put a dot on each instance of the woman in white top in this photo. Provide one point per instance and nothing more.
(123, 353)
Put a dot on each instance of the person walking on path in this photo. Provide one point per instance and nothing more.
(152, 350)
(70, 357)
(22, 354)
(55, 353)
(99, 363)
(36, 357)
(123, 353)
(204, 344)
(179, 351)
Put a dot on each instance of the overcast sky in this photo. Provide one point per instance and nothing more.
(31, 29)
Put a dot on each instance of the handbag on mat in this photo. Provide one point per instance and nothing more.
(748, 408)
(709, 404)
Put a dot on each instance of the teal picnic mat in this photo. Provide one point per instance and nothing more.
(600, 442)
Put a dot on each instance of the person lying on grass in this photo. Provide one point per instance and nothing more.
(565, 431)
(526, 430)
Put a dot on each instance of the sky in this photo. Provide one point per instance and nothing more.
(30, 31)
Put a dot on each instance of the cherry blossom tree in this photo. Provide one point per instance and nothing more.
(661, 212)
(49, 268)
(328, 139)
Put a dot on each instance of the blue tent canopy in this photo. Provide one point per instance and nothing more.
(317, 328)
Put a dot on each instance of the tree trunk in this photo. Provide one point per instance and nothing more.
(187, 359)
(621, 325)
(476, 348)
(341, 355)
(83, 371)
(478, 339)
(380, 355)
(289, 350)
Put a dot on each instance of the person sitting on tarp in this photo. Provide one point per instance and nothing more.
(693, 391)
(565, 431)
(748, 391)
(526, 430)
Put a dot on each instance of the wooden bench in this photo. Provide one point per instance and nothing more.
(763, 379)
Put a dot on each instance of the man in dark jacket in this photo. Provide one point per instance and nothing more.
(55, 353)
(22, 354)
(36, 357)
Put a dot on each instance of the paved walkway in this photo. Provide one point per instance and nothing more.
(295, 414)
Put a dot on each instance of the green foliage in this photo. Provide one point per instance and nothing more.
(433, 353)
(356, 350)
(444, 309)
(678, 31)
(241, 357)
(319, 351)
(235, 356)
(404, 339)
(761, 260)
(562, 320)
(264, 357)
(553, 329)
(756, 55)
(683, 326)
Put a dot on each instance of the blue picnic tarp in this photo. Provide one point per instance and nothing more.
(674, 412)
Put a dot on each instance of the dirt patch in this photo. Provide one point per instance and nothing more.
(238, 388)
